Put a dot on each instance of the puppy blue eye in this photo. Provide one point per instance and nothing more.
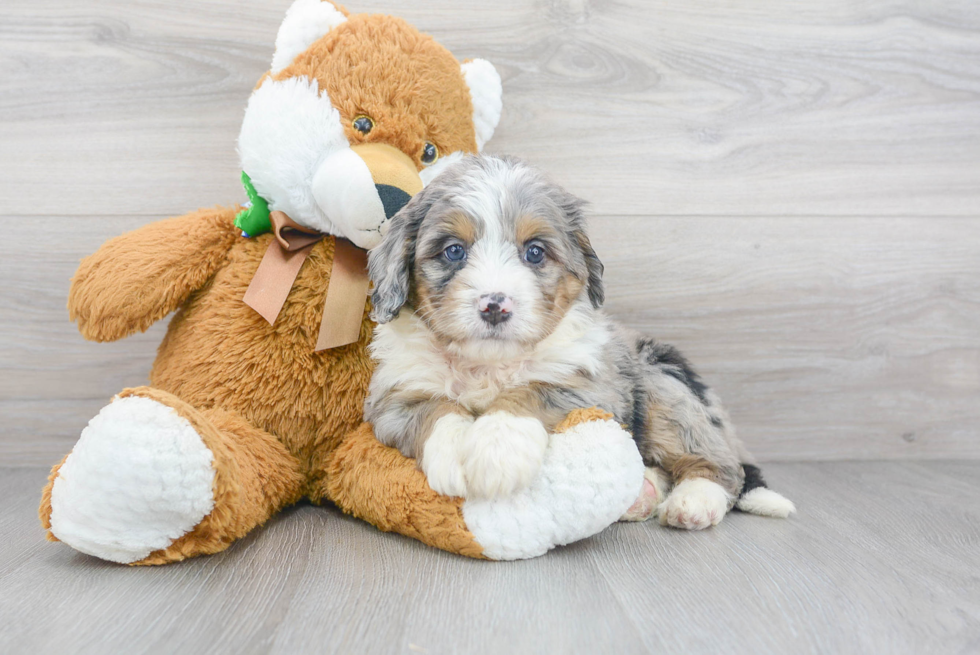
(455, 253)
(534, 255)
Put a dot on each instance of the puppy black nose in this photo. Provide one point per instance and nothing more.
(392, 198)
(496, 308)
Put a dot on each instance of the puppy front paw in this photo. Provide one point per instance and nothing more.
(440, 455)
(502, 453)
(695, 504)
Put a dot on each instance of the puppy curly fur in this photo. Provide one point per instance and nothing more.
(505, 335)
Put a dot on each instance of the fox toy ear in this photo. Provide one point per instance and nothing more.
(485, 91)
(306, 22)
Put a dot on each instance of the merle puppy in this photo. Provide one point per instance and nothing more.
(487, 294)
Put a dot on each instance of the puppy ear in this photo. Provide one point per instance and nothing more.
(597, 293)
(390, 264)
(574, 209)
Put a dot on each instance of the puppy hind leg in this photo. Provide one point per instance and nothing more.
(695, 504)
(705, 485)
(656, 485)
(682, 426)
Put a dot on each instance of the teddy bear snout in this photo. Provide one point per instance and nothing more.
(392, 198)
(361, 187)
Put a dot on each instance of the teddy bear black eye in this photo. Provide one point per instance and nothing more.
(363, 124)
(534, 255)
(430, 153)
(455, 253)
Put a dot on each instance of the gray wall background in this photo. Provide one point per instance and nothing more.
(788, 191)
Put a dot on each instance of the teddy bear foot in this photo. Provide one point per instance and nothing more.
(591, 475)
(139, 478)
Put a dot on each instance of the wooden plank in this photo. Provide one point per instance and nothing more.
(853, 338)
(877, 561)
(642, 107)
(837, 338)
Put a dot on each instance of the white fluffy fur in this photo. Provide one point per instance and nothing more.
(441, 456)
(486, 92)
(290, 128)
(306, 22)
(475, 373)
(430, 173)
(590, 476)
(502, 453)
(495, 267)
(138, 479)
(345, 191)
(695, 504)
(766, 502)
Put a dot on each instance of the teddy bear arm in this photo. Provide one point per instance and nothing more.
(591, 475)
(378, 484)
(139, 277)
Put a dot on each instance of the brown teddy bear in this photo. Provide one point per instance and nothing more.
(256, 396)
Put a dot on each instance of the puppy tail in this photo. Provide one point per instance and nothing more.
(757, 498)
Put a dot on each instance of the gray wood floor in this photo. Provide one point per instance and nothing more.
(882, 558)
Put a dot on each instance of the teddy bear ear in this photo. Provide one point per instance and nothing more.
(485, 91)
(305, 23)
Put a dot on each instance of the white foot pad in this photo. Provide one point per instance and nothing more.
(695, 504)
(138, 479)
(590, 476)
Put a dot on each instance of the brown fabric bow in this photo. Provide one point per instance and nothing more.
(343, 308)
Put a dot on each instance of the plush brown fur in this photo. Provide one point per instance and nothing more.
(138, 278)
(44, 512)
(271, 410)
(264, 403)
(579, 416)
(281, 420)
(362, 81)
(401, 499)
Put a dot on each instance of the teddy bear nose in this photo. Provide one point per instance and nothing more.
(392, 198)
(495, 308)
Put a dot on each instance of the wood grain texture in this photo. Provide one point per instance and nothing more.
(788, 192)
(882, 558)
(781, 108)
(838, 338)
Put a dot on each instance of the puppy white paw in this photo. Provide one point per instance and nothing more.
(440, 455)
(695, 504)
(654, 490)
(502, 453)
